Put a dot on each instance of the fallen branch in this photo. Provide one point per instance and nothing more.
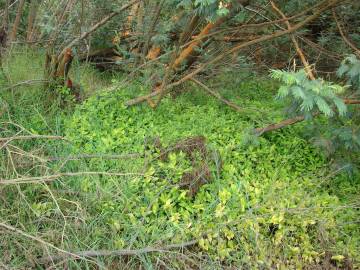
(351, 101)
(31, 137)
(297, 119)
(100, 156)
(218, 96)
(50, 178)
(20, 232)
(6, 141)
(28, 82)
(284, 123)
(117, 253)
(141, 99)
(325, 5)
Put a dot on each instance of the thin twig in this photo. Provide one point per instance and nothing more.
(295, 42)
(121, 252)
(31, 137)
(20, 232)
(39, 240)
(28, 82)
(100, 156)
(297, 119)
(218, 96)
(50, 178)
(325, 5)
(347, 41)
(6, 141)
(97, 25)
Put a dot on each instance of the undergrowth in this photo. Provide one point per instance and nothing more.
(271, 204)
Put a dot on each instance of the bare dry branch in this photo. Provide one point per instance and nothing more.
(117, 253)
(347, 41)
(218, 96)
(327, 4)
(97, 25)
(296, 44)
(39, 240)
(99, 156)
(28, 82)
(297, 119)
(50, 178)
(31, 137)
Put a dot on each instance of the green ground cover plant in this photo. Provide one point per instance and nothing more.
(273, 203)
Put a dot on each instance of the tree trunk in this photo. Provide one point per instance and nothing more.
(16, 24)
(156, 10)
(5, 20)
(190, 29)
(129, 21)
(34, 5)
(57, 66)
(188, 55)
(191, 51)
(4, 27)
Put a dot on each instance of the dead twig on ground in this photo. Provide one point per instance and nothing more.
(117, 253)
(39, 240)
(6, 141)
(217, 95)
(50, 178)
(28, 82)
(94, 156)
(31, 137)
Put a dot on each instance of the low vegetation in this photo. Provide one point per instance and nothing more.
(182, 146)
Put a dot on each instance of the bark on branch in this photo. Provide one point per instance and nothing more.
(295, 42)
(297, 119)
(284, 123)
(325, 5)
(16, 24)
(98, 25)
(347, 41)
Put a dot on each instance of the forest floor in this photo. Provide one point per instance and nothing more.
(122, 187)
